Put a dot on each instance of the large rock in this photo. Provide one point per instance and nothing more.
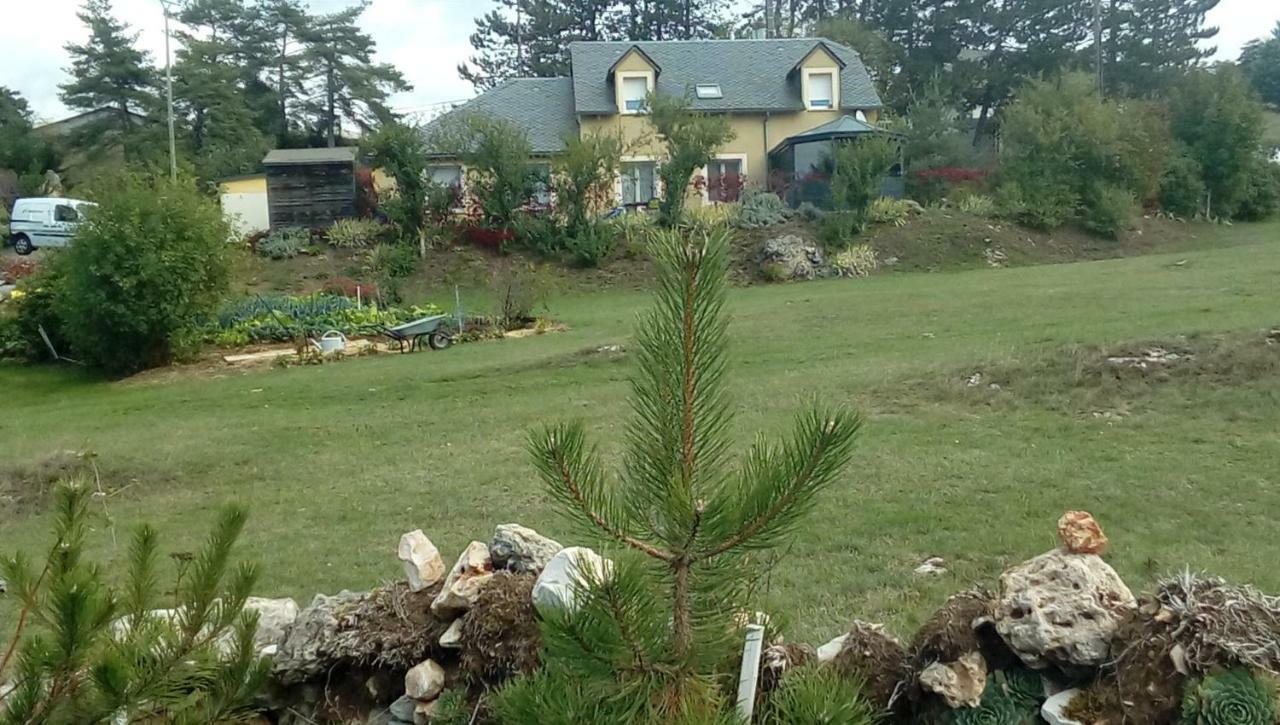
(472, 571)
(795, 257)
(302, 654)
(422, 563)
(556, 587)
(960, 683)
(1061, 608)
(521, 549)
(452, 637)
(402, 709)
(274, 618)
(424, 681)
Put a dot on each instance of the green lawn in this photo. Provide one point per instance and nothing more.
(338, 460)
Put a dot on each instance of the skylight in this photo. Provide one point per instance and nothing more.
(708, 90)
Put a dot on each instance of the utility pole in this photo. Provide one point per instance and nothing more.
(168, 79)
(1097, 43)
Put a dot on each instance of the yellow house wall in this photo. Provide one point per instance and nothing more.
(252, 185)
(632, 61)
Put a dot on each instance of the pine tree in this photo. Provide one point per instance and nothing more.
(21, 150)
(346, 83)
(1147, 42)
(276, 87)
(1260, 62)
(100, 655)
(109, 71)
(530, 38)
(654, 632)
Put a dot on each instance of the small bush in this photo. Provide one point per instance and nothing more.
(518, 291)
(33, 306)
(773, 272)
(592, 245)
(1039, 205)
(494, 239)
(1262, 193)
(540, 234)
(858, 171)
(284, 243)
(977, 205)
(762, 208)
(394, 261)
(857, 260)
(889, 211)
(347, 287)
(634, 228)
(813, 694)
(1108, 210)
(354, 233)
(1182, 188)
(15, 269)
(810, 213)
(149, 262)
(712, 216)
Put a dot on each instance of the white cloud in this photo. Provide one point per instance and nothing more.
(426, 39)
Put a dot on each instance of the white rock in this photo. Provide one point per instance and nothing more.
(556, 587)
(521, 549)
(1061, 608)
(423, 711)
(828, 651)
(932, 565)
(1053, 708)
(422, 563)
(424, 681)
(302, 655)
(473, 570)
(452, 637)
(960, 683)
(274, 618)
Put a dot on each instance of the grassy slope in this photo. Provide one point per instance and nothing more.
(338, 460)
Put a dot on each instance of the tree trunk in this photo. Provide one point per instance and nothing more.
(333, 115)
(280, 87)
(681, 617)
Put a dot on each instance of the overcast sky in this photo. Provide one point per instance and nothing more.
(425, 39)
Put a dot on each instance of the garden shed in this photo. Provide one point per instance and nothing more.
(311, 187)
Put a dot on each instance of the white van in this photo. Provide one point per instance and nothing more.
(44, 222)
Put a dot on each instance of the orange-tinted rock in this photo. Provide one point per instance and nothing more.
(1080, 533)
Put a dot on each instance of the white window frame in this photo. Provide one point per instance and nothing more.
(708, 91)
(461, 203)
(806, 82)
(657, 181)
(619, 81)
(706, 175)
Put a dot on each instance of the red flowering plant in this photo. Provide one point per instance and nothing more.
(13, 270)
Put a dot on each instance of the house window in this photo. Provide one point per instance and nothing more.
(634, 91)
(541, 173)
(708, 90)
(821, 90)
(724, 180)
(638, 182)
(446, 175)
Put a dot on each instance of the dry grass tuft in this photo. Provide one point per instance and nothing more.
(391, 627)
(871, 656)
(500, 635)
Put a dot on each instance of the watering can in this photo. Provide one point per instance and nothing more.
(330, 342)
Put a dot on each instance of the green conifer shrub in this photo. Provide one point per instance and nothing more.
(85, 652)
(652, 636)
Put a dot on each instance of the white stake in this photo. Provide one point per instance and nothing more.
(750, 671)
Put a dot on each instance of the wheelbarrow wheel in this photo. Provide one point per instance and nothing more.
(439, 340)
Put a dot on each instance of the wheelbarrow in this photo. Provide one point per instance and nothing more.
(410, 336)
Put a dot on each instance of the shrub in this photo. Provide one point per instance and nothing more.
(762, 208)
(808, 212)
(812, 694)
(977, 204)
(930, 185)
(857, 260)
(393, 261)
(145, 266)
(691, 139)
(635, 229)
(540, 234)
(284, 243)
(773, 272)
(1182, 188)
(494, 239)
(592, 245)
(889, 211)
(708, 217)
(34, 308)
(400, 150)
(518, 290)
(1036, 203)
(858, 171)
(1262, 193)
(582, 178)
(1108, 210)
(16, 269)
(98, 652)
(657, 626)
(347, 287)
(500, 180)
(354, 233)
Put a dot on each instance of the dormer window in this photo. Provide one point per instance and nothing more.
(821, 87)
(708, 90)
(633, 90)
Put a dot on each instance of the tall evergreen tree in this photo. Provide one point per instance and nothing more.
(275, 89)
(1147, 42)
(109, 71)
(22, 151)
(346, 84)
(1260, 62)
(530, 38)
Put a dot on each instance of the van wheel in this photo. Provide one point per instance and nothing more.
(22, 245)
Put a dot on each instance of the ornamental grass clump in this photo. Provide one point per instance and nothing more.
(651, 637)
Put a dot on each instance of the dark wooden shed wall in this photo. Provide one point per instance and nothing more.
(311, 195)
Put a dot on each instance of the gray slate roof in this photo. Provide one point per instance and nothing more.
(312, 156)
(543, 107)
(842, 126)
(755, 75)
